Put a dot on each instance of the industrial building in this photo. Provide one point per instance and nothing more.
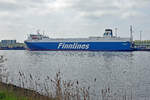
(8, 42)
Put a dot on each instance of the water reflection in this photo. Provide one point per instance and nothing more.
(80, 54)
(111, 66)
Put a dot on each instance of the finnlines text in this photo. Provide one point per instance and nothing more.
(73, 46)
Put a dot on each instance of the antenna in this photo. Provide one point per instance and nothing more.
(116, 29)
(131, 32)
(38, 31)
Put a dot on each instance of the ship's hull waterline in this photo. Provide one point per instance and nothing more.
(80, 46)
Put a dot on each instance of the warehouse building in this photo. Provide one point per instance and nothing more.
(8, 42)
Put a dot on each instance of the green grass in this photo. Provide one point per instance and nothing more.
(8, 95)
(12, 92)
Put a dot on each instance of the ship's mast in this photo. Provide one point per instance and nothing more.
(131, 33)
(140, 35)
(38, 32)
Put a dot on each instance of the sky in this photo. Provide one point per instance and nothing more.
(73, 18)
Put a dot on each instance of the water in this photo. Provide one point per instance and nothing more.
(119, 70)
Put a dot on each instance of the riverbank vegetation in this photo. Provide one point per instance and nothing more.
(12, 92)
(139, 42)
(57, 89)
(9, 91)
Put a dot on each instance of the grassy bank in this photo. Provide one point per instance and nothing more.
(7, 95)
(12, 92)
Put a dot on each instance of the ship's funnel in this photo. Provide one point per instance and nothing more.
(108, 33)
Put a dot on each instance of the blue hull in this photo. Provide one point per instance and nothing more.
(82, 46)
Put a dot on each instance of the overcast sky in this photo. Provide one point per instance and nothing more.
(73, 18)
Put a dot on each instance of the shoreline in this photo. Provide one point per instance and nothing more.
(21, 93)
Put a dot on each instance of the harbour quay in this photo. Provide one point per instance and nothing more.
(11, 45)
(142, 45)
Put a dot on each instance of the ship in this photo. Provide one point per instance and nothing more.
(106, 43)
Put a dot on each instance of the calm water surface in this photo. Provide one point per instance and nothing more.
(126, 70)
